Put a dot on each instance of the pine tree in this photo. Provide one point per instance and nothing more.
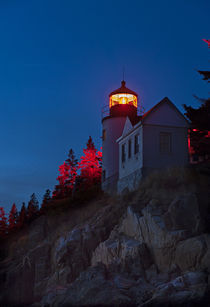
(90, 164)
(61, 188)
(3, 223)
(22, 216)
(72, 162)
(46, 199)
(67, 177)
(33, 207)
(200, 123)
(13, 218)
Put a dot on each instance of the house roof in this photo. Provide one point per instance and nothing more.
(164, 100)
(130, 129)
(123, 90)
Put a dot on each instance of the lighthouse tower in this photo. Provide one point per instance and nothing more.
(122, 104)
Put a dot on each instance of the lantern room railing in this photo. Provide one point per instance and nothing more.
(105, 111)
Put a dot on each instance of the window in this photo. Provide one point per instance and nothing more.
(165, 142)
(104, 135)
(136, 144)
(123, 153)
(129, 149)
(103, 175)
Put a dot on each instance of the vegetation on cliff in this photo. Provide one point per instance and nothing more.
(76, 182)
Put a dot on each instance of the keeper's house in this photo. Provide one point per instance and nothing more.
(134, 145)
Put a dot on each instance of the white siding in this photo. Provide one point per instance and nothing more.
(152, 156)
(135, 161)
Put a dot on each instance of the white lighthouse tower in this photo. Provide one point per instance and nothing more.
(122, 104)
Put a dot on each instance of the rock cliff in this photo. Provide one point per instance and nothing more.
(148, 248)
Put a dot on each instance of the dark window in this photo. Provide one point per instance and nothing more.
(129, 149)
(123, 153)
(103, 175)
(165, 142)
(136, 144)
(104, 135)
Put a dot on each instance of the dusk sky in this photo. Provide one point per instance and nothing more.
(59, 60)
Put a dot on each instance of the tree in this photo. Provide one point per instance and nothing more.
(3, 222)
(72, 162)
(199, 133)
(46, 199)
(33, 207)
(61, 188)
(90, 164)
(67, 177)
(13, 218)
(22, 216)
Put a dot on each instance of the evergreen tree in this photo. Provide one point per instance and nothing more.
(3, 222)
(13, 218)
(72, 162)
(22, 216)
(46, 199)
(200, 123)
(90, 164)
(67, 177)
(61, 189)
(33, 207)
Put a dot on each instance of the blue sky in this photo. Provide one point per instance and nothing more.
(59, 60)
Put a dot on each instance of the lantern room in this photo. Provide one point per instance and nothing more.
(123, 95)
(123, 102)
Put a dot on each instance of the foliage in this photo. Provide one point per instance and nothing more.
(200, 124)
(33, 208)
(13, 218)
(90, 165)
(90, 172)
(3, 222)
(22, 216)
(67, 177)
(72, 162)
(46, 200)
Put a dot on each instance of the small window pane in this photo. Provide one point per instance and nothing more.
(123, 153)
(129, 149)
(104, 135)
(103, 175)
(136, 144)
(165, 142)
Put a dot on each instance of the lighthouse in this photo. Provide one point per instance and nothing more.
(123, 103)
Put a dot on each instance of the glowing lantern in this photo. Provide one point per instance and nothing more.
(123, 95)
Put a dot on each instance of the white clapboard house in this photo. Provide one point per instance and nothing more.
(135, 145)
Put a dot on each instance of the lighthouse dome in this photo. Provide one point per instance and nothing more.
(123, 89)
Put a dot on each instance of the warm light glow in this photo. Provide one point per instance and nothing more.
(123, 99)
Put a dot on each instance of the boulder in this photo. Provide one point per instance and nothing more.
(91, 288)
(184, 213)
(189, 253)
(150, 229)
(119, 250)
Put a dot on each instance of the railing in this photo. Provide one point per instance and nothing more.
(105, 111)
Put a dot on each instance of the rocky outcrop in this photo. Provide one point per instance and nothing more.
(121, 253)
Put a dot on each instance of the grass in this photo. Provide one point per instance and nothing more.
(166, 185)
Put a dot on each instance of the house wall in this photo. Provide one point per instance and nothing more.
(130, 171)
(167, 119)
(153, 158)
(166, 115)
(164, 119)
